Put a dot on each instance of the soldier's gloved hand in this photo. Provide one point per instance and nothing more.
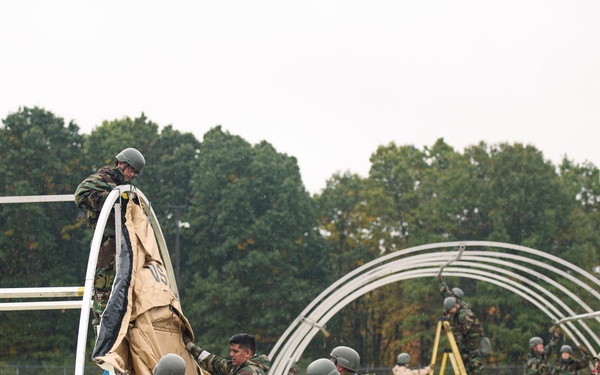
(582, 348)
(193, 349)
(555, 330)
(440, 278)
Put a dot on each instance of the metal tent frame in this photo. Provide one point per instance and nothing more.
(83, 292)
(557, 296)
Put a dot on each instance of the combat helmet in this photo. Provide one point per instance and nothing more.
(449, 303)
(346, 357)
(458, 293)
(566, 348)
(322, 366)
(403, 358)
(534, 341)
(170, 364)
(132, 157)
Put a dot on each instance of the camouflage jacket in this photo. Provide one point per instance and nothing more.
(570, 366)
(466, 325)
(257, 365)
(538, 364)
(92, 192)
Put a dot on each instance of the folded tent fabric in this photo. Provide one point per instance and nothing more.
(143, 319)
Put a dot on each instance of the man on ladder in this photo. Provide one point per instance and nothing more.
(463, 329)
(468, 333)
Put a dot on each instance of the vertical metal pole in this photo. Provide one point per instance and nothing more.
(177, 250)
(177, 261)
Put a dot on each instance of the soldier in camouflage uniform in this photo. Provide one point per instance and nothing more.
(537, 360)
(90, 195)
(244, 361)
(468, 333)
(567, 365)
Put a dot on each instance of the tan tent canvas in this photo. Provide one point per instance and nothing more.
(143, 319)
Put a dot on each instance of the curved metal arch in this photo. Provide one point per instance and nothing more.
(311, 332)
(109, 205)
(393, 268)
(344, 300)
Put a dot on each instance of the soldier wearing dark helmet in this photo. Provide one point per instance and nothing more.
(90, 195)
(92, 192)
(567, 365)
(537, 359)
(468, 334)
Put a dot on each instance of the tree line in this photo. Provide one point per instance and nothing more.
(259, 247)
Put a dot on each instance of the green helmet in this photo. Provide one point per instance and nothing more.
(534, 341)
(322, 366)
(403, 358)
(346, 357)
(458, 293)
(449, 303)
(170, 364)
(132, 157)
(566, 348)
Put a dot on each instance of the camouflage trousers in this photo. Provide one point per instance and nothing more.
(103, 279)
(470, 354)
(471, 357)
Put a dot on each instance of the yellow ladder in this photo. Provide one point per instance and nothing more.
(453, 353)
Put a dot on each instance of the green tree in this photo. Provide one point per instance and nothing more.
(168, 185)
(256, 261)
(529, 202)
(39, 245)
(39, 157)
(398, 171)
(581, 183)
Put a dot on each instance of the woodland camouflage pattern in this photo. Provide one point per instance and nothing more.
(92, 192)
(257, 365)
(570, 366)
(91, 195)
(538, 364)
(468, 334)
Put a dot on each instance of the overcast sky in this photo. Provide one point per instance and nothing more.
(324, 81)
